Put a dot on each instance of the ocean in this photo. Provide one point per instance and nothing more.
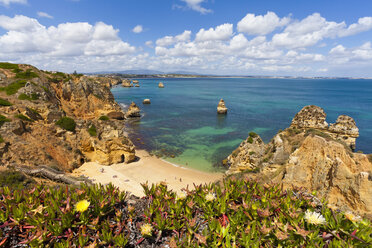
(182, 125)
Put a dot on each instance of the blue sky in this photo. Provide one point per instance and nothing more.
(238, 37)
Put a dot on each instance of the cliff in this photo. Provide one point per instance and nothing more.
(59, 120)
(313, 155)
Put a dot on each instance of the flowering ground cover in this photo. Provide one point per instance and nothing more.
(235, 213)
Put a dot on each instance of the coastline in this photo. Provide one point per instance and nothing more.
(147, 168)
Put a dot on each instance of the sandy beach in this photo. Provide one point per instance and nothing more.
(149, 169)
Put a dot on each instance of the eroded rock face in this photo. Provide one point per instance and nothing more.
(161, 85)
(126, 83)
(310, 116)
(146, 101)
(221, 108)
(325, 166)
(133, 111)
(117, 115)
(247, 156)
(345, 130)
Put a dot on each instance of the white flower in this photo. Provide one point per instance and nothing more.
(350, 216)
(146, 230)
(210, 197)
(181, 196)
(314, 218)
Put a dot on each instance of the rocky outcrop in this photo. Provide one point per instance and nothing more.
(135, 81)
(133, 111)
(32, 137)
(161, 85)
(146, 101)
(312, 156)
(126, 83)
(310, 117)
(221, 108)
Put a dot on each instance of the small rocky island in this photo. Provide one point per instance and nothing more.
(221, 108)
(313, 155)
(161, 85)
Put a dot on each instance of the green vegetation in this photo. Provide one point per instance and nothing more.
(8, 66)
(1, 139)
(234, 213)
(3, 119)
(104, 118)
(293, 131)
(67, 123)
(33, 96)
(23, 117)
(250, 140)
(14, 179)
(369, 157)
(251, 153)
(253, 134)
(45, 89)
(92, 130)
(13, 88)
(4, 102)
(28, 74)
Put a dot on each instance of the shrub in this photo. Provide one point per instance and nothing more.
(92, 130)
(23, 117)
(1, 139)
(3, 119)
(13, 88)
(253, 134)
(67, 123)
(14, 179)
(8, 66)
(104, 118)
(29, 74)
(4, 102)
(33, 96)
(250, 140)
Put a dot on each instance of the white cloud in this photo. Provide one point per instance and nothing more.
(43, 14)
(8, 2)
(137, 29)
(196, 5)
(222, 32)
(364, 24)
(149, 43)
(261, 25)
(170, 40)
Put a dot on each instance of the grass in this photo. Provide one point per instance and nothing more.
(14, 179)
(33, 96)
(92, 131)
(3, 119)
(13, 88)
(8, 66)
(67, 123)
(104, 118)
(4, 102)
(23, 117)
(28, 74)
(1, 139)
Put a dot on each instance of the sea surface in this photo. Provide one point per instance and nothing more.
(182, 125)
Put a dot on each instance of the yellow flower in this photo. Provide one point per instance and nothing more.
(146, 230)
(314, 218)
(181, 196)
(82, 206)
(350, 216)
(210, 197)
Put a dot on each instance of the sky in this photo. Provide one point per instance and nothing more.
(221, 37)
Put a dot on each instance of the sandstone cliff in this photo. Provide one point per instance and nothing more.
(53, 119)
(314, 156)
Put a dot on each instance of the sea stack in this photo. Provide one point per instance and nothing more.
(221, 108)
(136, 85)
(146, 101)
(161, 85)
(135, 81)
(133, 111)
(126, 83)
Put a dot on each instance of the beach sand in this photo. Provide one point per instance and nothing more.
(128, 177)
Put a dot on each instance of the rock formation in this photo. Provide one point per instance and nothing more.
(313, 156)
(135, 81)
(32, 137)
(146, 101)
(221, 108)
(126, 83)
(137, 85)
(161, 85)
(133, 111)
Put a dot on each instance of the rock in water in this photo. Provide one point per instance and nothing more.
(133, 111)
(161, 85)
(310, 116)
(137, 85)
(135, 81)
(126, 83)
(146, 101)
(221, 108)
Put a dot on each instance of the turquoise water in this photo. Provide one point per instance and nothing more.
(181, 122)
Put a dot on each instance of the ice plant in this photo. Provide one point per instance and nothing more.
(210, 197)
(181, 196)
(82, 206)
(314, 218)
(146, 230)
